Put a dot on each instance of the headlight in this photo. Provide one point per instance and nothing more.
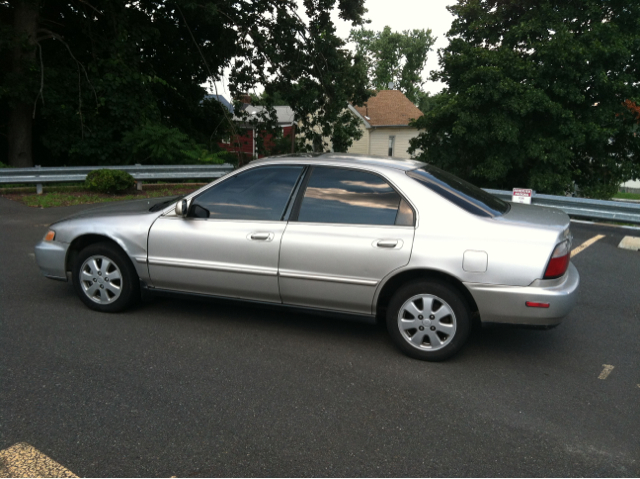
(50, 236)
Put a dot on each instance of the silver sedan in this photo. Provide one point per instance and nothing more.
(362, 237)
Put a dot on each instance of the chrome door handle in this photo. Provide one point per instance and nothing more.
(261, 236)
(387, 243)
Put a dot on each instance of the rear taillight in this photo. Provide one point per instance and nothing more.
(559, 261)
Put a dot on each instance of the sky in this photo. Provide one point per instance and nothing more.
(400, 15)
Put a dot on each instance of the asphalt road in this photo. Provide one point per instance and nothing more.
(189, 389)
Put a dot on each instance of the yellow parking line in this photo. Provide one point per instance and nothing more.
(605, 372)
(23, 460)
(585, 245)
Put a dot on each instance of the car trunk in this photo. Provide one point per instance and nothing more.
(539, 216)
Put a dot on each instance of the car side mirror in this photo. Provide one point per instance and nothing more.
(182, 207)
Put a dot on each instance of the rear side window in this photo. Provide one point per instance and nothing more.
(462, 193)
(258, 194)
(339, 195)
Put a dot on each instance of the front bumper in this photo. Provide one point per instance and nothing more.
(51, 257)
(506, 304)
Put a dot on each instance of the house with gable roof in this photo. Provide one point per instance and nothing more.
(384, 121)
(246, 142)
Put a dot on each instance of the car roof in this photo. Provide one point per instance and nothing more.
(344, 159)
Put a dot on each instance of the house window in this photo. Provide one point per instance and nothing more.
(392, 142)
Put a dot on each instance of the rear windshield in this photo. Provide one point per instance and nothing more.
(468, 197)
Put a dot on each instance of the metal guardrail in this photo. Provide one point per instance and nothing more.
(583, 207)
(575, 207)
(41, 175)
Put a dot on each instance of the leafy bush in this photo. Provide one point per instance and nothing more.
(227, 157)
(157, 144)
(109, 181)
(235, 159)
(202, 156)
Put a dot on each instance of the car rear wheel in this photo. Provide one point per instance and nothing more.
(104, 278)
(428, 320)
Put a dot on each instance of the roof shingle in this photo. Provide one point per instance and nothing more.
(389, 108)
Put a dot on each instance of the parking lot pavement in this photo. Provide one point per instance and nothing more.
(181, 388)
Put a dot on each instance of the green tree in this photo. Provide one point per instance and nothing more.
(85, 75)
(394, 57)
(536, 95)
(275, 99)
(316, 75)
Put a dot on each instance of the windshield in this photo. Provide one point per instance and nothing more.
(460, 192)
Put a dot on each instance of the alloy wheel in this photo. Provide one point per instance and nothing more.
(101, 279)
(427, 322)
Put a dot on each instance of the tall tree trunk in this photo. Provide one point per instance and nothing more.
(25, 26)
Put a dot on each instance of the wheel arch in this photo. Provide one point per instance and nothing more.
(81, 242)
(403, 277)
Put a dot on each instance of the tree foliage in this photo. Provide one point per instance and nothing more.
(394, 57)
(94, 74)
(538, 95)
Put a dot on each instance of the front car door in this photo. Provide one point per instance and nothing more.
(349, 229)
(228, 244)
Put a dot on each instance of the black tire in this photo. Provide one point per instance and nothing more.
(448, 318)
(95, 289)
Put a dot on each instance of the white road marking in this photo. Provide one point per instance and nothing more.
(606, 371)
(630, 242)
(585, 245)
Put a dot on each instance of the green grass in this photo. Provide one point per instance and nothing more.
(48, 200)
(75, 195)
(627, 196)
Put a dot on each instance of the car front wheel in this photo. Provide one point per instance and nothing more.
(104, 278)
(428, 320)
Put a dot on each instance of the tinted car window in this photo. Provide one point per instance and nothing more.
(257, 194)
(337, 195)
(460, 192)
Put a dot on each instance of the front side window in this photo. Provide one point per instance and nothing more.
(462, 193)
(338, 195)
(260, 194)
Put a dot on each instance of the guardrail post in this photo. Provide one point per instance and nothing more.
(39, 185)
(138, 182)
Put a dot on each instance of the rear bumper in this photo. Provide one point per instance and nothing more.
(51, 256)
(506, 304)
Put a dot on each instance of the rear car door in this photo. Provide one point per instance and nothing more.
(348, 230)
(228, 244)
